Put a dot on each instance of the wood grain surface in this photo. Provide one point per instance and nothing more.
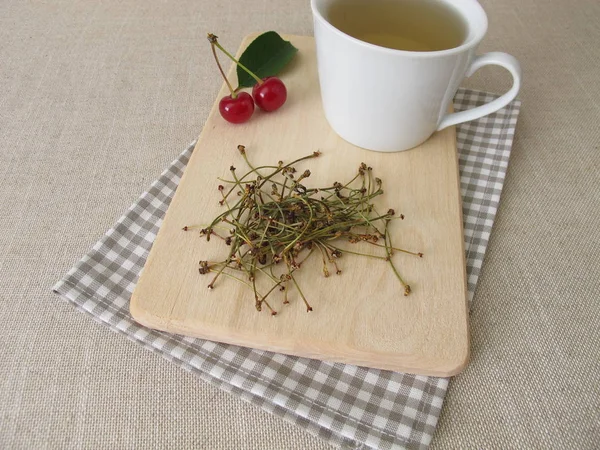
(361, 316)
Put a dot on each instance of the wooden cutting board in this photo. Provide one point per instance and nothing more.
(361, 316)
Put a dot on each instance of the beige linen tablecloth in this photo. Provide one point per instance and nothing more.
(82, 81)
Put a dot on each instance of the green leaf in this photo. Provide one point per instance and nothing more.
(265, 56)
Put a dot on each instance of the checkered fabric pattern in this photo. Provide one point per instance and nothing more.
(483, 149)
(349, 406)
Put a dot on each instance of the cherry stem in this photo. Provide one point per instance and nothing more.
(230, 56)
(212, 46)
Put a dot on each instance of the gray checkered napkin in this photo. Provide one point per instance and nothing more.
(349, 406)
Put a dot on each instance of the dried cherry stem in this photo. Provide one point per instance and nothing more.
(285, 296)
(235, 278)
(419, 254)
(308, 307)
(262, 270)
(264, 298)
(388, 243)
(273, 312)
(211, 285)
(332, 261)
(325, 269)
(306, 257)
(384, 258)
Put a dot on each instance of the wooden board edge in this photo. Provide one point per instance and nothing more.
(383, 361)
(461, 366)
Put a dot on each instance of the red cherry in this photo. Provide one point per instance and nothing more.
(238, 109)
(270, 94)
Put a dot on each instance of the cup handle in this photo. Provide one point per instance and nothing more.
(505, 60)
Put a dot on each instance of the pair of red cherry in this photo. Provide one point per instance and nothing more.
(270, 94)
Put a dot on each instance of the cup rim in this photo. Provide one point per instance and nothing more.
(468, 44)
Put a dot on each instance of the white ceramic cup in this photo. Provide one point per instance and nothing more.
(390, 100)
